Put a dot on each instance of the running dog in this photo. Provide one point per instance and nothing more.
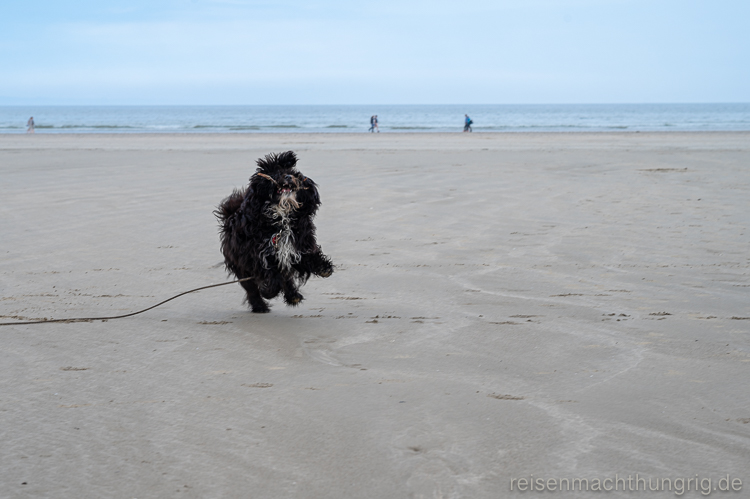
(268, 234)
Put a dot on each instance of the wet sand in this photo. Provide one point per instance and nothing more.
(562, 305)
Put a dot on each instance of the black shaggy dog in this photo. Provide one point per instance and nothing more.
(267, 232)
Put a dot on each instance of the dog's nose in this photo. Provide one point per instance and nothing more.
(288, 178)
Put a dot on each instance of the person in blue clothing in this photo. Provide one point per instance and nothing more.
(374, 124)
(467, 123)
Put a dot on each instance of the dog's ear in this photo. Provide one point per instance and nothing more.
(312, 187)
(273, 162)
(308, 196)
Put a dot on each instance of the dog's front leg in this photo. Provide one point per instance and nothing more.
(318, 264)
(292, 295)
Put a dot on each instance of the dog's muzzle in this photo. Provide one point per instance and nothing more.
(288, 184)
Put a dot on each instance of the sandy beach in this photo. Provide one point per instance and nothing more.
(504, 305)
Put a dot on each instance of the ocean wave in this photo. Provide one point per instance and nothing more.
(98, 126)
(225, 127)
(70, 127)
(394, 119)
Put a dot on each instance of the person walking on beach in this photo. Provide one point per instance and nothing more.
(372, 124)
(467, 123)
(30, 124)
(375, 123)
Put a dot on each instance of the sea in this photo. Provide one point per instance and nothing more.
(391, 118)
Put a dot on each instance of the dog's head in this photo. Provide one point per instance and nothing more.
(277, 180)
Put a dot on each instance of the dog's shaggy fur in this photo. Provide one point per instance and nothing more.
(267, 232)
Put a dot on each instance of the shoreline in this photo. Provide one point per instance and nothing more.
(366, 133)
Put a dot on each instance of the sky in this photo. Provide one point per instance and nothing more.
(227, 52)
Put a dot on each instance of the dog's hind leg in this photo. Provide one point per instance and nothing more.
(256, 301)
(272, 286)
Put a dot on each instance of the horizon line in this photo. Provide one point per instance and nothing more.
(386, 104)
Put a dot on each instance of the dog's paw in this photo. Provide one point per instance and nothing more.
(293, 299)
(326, 272)
(261, 309)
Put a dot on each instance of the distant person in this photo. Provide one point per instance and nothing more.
(372, 123)
(375, 123)
(467, 123)
(30, 125)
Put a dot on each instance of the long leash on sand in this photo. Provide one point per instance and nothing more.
(89, 319)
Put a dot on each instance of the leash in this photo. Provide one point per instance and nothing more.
(89, 319)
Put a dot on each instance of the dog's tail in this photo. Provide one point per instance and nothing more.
(230, 205)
